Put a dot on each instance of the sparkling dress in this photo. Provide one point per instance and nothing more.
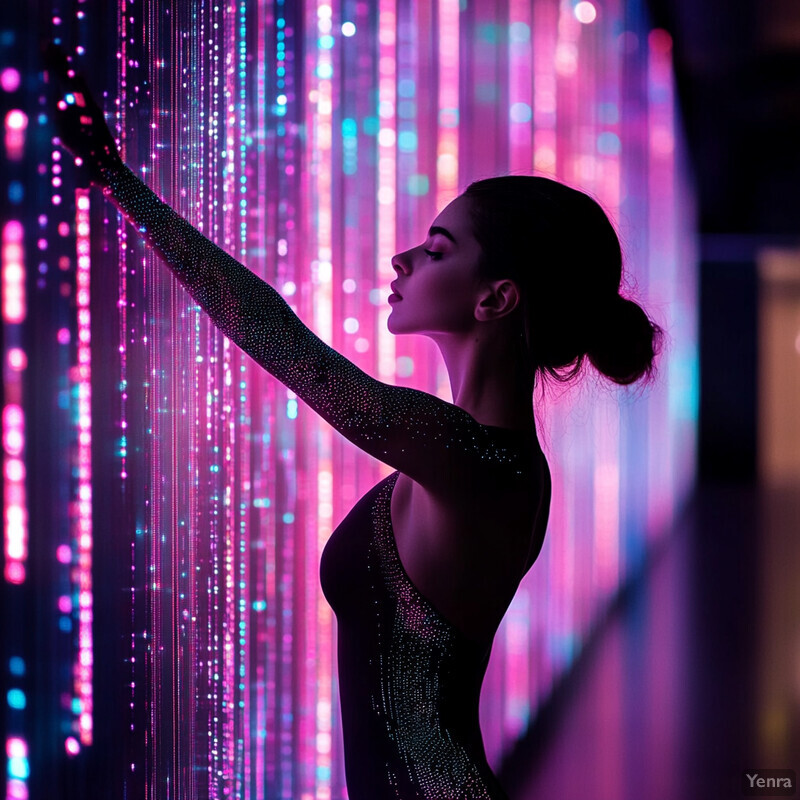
(409, 680)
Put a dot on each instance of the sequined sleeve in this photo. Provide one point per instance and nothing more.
(432, 441)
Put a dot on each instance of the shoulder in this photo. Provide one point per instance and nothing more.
(495, 464)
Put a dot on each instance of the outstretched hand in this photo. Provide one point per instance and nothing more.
(80, 123)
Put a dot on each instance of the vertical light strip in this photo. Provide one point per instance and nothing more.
(18, 768)
(233, 465)
(323, 138)
(571, 65)
(82, 521)
(13, 277)
(520, 86)
(606, 545)
(608, 144)
(387, 177)
(447, 150)
(15, 504)
(254, 518)
(315, 746)
(544, 36)
(241, 391)
(14, 299)
(119, 230)
(322, 650)
(16, 124)
(662, 275)
(517, 689)
(447, 124)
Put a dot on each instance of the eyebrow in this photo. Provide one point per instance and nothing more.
(443, 231)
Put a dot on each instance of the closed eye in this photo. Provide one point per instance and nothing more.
(433, 255)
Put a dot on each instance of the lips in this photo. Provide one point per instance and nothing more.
(395, 293)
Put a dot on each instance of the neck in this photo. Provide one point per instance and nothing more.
(487, 378)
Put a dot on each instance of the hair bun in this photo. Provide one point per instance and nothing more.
(624, 343)
(559, 246)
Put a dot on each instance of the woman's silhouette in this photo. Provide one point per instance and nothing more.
(517, 277)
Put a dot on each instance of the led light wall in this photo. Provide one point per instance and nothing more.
(311, 140)
(47, 650)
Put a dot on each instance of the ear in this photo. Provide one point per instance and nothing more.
(497, 299)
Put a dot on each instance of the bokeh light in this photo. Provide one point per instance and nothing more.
(585, 12)
(10, 79)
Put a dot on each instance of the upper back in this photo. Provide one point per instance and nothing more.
(467, 554)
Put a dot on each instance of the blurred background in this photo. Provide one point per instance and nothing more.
(732, 568)
(163, 634)
(731, 571)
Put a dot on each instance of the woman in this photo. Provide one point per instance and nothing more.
(517, 276)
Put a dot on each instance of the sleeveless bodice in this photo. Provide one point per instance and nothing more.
(409, 681)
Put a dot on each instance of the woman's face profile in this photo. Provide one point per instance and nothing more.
(437, 281)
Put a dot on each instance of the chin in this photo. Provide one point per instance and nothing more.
(397, 325)
(393, 326)
(397, 328)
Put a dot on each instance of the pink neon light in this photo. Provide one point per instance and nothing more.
(447, 151)
(16, 123)
(13, 429)
(82, 522)
(10, 79)
(15, 469)
(17, 359)
(16, 120)
(16, 747)
(326, 69)
(17, 753)
(14, 572)
(17, 789)
(15, 514)
(585, 12)
(13, 268)
(660, 42)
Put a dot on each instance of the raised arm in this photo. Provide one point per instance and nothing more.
(434, 442)
(412, 431)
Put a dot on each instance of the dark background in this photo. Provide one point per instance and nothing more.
(738, 75)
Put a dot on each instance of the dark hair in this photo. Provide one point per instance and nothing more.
(558, 246)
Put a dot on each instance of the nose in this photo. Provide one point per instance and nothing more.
(402, 263)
